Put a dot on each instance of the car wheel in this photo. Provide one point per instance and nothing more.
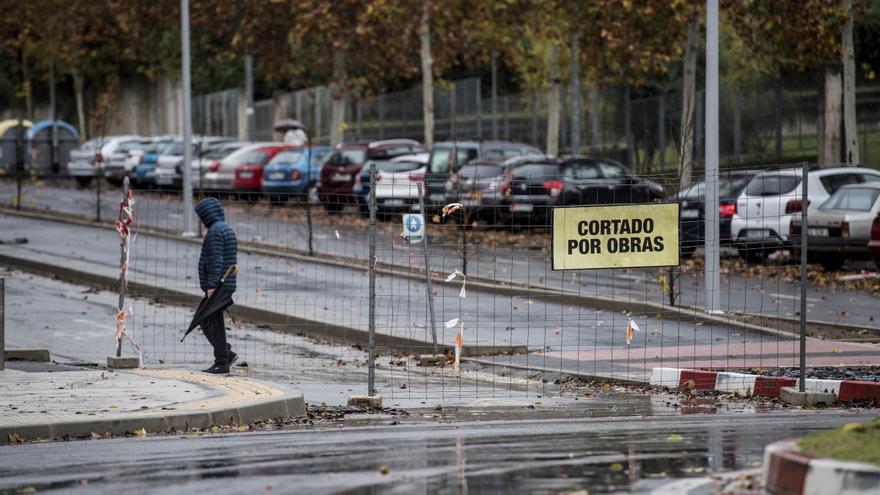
(688, 250)
(752, 255)
(830, 263)
(84, 181)
(333, 207)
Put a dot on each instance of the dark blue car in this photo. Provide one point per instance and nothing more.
(693, 212)
(288, 173)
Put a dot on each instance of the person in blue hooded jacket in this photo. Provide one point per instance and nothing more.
(219, 252)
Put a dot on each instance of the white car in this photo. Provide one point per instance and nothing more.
(397, 182)
(82, 165)
(764, 209)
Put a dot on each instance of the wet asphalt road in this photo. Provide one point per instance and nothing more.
(469, 451)
(524, 262)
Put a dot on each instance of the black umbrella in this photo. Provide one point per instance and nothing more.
(219, 300)
(288, 124)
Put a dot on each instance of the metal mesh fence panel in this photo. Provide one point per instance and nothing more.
(525, 328)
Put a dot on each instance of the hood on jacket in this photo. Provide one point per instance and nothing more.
(210, 211)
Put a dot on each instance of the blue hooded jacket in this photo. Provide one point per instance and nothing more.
(219, 249)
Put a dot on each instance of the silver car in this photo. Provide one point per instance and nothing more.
(840, 228)
(82, 166)
(124, 159)
(169, 173)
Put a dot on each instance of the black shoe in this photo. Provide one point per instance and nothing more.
(217, 369)
(233, 357)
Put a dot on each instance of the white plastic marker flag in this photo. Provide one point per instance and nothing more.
(457, 273)
(450, 209)
(452, 323)
(629, 331)
(337, 233)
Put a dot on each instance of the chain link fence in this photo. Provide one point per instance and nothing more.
(482, 282)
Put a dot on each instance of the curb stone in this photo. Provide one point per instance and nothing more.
(232, 407)
(788, 471)
(760, 386)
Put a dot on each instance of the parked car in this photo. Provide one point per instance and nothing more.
(874, 242)
(204, 163)
(338, 171)
(477, 186)
(397, 183)
(169, 165)
(840, 228)
(361, 188)
(764, 209)
(145, 172)
(123, 161)
(83, 164)
(692, 200)
(289, 173)
(242, 170)
(532, 188)
(447, 158)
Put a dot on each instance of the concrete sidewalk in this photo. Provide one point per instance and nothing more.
(63, 401)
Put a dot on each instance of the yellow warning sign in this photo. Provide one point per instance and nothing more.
(620, 236)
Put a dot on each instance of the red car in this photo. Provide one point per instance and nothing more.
(248, 179)
(341, 167)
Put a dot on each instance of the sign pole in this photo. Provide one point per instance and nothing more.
(428, 288)
(188, 230)
(712, 248)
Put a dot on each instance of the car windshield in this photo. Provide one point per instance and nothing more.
(441, 157)
(728, 187)
(394, 166)
(481, 171)
(91, 145)
(129, 145)
(772, 184)
(289, 157)
(855, 199)
(536, 171)
(222, 152)
(354, 156)
(173, 148)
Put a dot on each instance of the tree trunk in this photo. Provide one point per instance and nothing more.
(850, 128)
(427, 74)
(689, 90)
(594, 116)
(553, 104)
(338, 97)
(830, 116)
(27, 87)
(575, 97)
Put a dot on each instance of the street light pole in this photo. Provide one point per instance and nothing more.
(188, 229)
(713, 247)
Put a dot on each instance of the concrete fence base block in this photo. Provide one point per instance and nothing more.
(431, 359)
(123, 363)
(32, 355)
(792, 396)
(365, 401)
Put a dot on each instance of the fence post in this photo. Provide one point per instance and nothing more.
(803, 318)
(99, 175)
(661, 131)
(2, 323)
(19, 162)
(737, 125)
(627, 128)
(371, 344)
(494, 98)
(123, 262)
(428, 287)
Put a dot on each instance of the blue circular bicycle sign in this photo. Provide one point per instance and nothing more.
(413, 227)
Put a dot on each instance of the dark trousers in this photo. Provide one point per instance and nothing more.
(215, 330)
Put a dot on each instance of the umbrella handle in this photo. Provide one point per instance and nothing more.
(231, 270)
